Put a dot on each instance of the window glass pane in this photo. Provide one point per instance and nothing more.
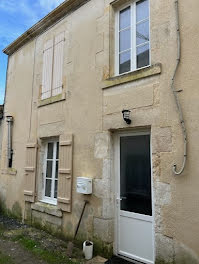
(125, 40)
(135, 174)
(142, 10)
(50, 151)
(125, 18)
(49, 169)
(55, 193)
(57, 154)
(125, 62)
(142, 32)
(143, 56)
(56, 171)
(48, 188)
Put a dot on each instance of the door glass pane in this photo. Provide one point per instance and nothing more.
(49, 169)
(143, 56)
(125, 62)
(142, 10)
(135, 174)
(50, 151)
(142, 32)
(57, 153)
(55, 192)
(48, 188)
(125, 18)
(125, 40)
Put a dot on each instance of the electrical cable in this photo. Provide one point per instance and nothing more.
(182, 123)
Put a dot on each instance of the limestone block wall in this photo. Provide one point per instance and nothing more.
(90, 109)
(1, 134)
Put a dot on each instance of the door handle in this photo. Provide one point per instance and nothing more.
(121, 198)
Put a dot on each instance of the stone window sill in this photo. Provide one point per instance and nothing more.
(51, 100)
(47, 209)
(132, 76)
(9, 171)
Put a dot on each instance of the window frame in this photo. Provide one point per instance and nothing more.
(133, 57)
(46, 199)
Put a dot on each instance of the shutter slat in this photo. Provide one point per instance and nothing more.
(58, 64)
(30, 172)
(28, 193)
(62, 200)
(65, 173)
(29, 168)
(65, 143)
(47, 69)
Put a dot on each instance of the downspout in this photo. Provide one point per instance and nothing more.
(9, 120)
(182, 123)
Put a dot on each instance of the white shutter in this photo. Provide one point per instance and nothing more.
(47, 69)
(65, 172)
(30, 172)
(58, 64)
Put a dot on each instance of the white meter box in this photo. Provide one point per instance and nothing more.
(84, 185)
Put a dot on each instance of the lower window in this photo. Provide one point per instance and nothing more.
(51, 165)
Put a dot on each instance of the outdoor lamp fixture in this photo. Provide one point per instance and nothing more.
(126, 116)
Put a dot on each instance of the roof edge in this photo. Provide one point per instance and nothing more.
(50, 19)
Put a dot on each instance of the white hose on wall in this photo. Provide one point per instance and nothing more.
(176, 97)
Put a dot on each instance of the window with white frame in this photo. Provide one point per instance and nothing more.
(51, 165)
(52, 67)
(132, 37)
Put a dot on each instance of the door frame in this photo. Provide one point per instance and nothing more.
(116, 171)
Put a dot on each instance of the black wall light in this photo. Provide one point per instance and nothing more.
(126, 116)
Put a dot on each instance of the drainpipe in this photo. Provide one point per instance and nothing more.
(179, 108)
(9, 120)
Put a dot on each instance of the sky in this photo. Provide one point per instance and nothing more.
(16, 16)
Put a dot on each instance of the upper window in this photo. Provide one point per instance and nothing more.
(51, 164)
(133, 40)
(52, 67)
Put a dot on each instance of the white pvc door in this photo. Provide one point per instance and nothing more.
(134, 229)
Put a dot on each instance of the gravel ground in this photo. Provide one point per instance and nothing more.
(28, 245)
(10, 223)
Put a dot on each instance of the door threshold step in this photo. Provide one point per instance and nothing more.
(119, 260)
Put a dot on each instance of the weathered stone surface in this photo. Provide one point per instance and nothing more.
(118, 98)
(102, 141)
(161, 139)
(108, 208)
(184, 255)
(103, 229)
(100, 43)
(46, 208)
(44, 219)
(97, 260)
(164, 248)
(132, 76)
(162, 193)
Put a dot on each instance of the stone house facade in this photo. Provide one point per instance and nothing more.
(1, 118)
(69, 79)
